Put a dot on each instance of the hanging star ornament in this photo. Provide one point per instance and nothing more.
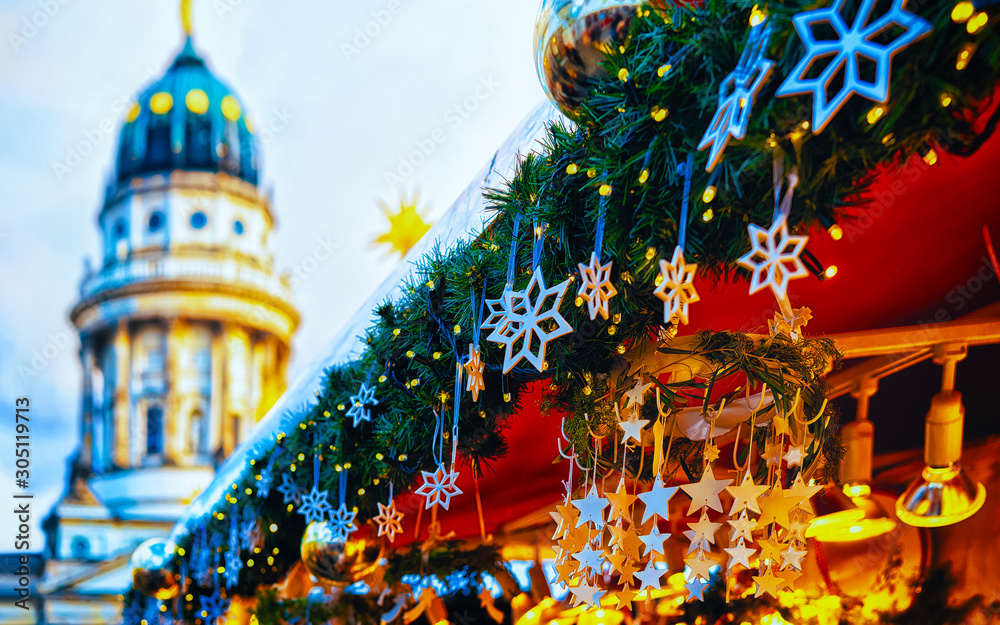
(438, 487)
(595, 287)
(289, 490)
(773, 258)
(474, 381)
(342, 523)
(389, 520)
(737, 93)
(591, 509)
(632, 428)
(656, 500)
(676, 288)
(745, 495)
(359, 410)
(865, 38)
(705, 492)
(315, 506)
(213, 606)
(529, 319)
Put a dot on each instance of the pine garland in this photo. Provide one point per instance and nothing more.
(415, 342)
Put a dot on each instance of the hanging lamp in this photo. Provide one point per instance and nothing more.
(944, 493)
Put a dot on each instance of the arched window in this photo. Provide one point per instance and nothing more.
(154, 430)
(196, 430)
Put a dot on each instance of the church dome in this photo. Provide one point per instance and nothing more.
(187, 120)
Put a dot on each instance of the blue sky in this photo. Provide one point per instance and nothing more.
(373, 99)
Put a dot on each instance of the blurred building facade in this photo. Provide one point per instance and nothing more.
(184, 332)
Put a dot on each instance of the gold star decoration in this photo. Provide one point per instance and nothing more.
(595, 287)
(745, 495)
(768, 583)
(772, 454)
(625, 596)
(406, 226)
(389, 520)
(793, 457)
(711, 453)
(740, 554)
(631, 544)
(775, 505)
(474, 381)
(700, 566)
(801, 489)
(636, 393)
(568, 517)
(704, 529)
(770, 549)
(788, 578)
(792, 557)
(617, 534)
(743, 527)
(705, 492)
(676, 288)
(620, 500)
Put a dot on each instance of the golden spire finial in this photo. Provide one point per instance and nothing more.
(186, 17)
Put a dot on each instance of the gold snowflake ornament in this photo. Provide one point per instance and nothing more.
(676, 288)
(474, 373)
(595, 287)
(389, 520)
(773, 258)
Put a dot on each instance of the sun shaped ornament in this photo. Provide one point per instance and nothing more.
(595, 287)
(676, 288)
(474, 373)
(773, 258)
(865, 38)
(389, 520)
(438, 487)
(737, 93)
(525, 321)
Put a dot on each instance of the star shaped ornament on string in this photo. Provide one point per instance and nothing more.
(595, 287)
(524, 322)
(315, 506)
(342, 523)
(389, 520)
(676, 288)
(438, 487)
(359, 410)
(474, 381)
(737, 93)
(773, 258)
(865, 38)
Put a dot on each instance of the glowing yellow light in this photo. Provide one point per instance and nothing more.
(855, 529)
(361, 491)
(977, 22)
(249, 125)
(612, 330)
(457, 329)
(572, 169)
(650, 253)
(274, 527)
(623, 74)
(587, 390)
(663, 69)
(886, 140)
(578, 302)
(250, 562)
(506, 397)
(189, 597)
(379, 456)
(402, 457)
(804, 125)
(709, 194)
(621, 349)
(436, 355)
(591, 173)
(133, 112)
(875, 114)
(962, 12)
(858, 490)
(659, 114)
(836, 232)
(707, 215)
(231, 109)
(830, 272)
(605, 189)
(161, 103)
(197, 101)
(931, 157)
(945, 99)
(644, 176)
(963, 56)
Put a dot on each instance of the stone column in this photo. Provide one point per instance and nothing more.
(122, 453)
(217, 403)
(86, 458)
(173, 418)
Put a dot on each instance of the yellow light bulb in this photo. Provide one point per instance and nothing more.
(379, 456)
(659, 114)
(976, 23)
(931, 157)
(945, 99)
(591, 173)
(644, 176)
(197, 101)
(572, 169)
(161, 103)
(605, 189)
(506, 397)
(709, 194)
(457, 329)
(230, 108)
(650, 253)
(663, 69)
(962, 12)
(623, 74)
(830, 272)
(707, 215)
(836, 232)
(875, 114)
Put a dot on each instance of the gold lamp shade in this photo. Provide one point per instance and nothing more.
(944, 493)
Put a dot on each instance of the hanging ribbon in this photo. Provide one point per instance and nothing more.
(477, 313)
(513, 250)
(437, 442)
(688, 173)
(454, 426)
(602, 209)
(343, 488)
(536, 251)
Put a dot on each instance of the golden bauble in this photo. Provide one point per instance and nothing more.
(572, 38)
(154, 569)
(338, 562)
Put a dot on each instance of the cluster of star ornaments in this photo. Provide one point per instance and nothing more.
(603, 533)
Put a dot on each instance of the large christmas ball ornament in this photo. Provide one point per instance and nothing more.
(154, 572)
(335, 561)
(572, 38)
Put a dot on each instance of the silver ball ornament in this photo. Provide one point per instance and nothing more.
(338, 562)
(154, 572)
(572, 38)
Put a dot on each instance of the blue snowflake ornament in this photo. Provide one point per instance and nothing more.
(289, 490)
(315, 506)
(251, 534)
(737, 93)
(359, 410)
(842, 55)
(265, 482)
(342, 523)
(233, 567)
(213, 607)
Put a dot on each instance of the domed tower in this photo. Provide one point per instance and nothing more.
(184, 325)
